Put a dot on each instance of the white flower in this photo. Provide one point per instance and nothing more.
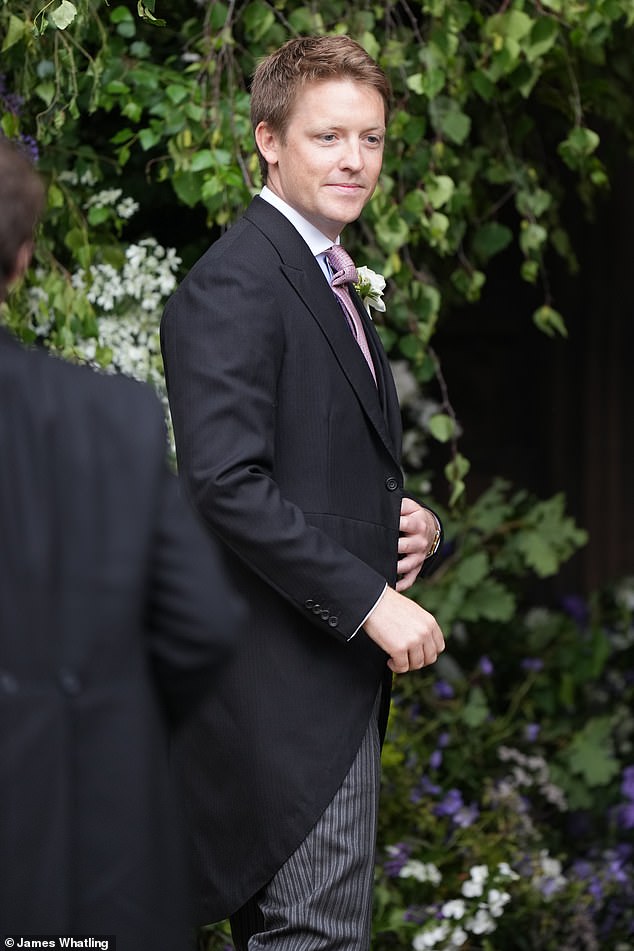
(422, 872)
(370, 287)
(506, 871)
(479, 873)
(454, 909)
(481, 923)
(107, 196)
(127, 207)
(458, 937)
(471, 889)
(497, 900)
(474, 887)
(430, 938)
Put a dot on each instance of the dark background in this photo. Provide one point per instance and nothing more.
(554, 414)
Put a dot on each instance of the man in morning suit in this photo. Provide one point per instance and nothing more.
(288, 438)
(114, 613)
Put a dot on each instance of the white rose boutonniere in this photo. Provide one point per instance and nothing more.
(370, 287)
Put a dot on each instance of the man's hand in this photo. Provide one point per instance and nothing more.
(417, 527)
(405, 631)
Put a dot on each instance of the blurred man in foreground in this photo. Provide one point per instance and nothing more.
(113, 611)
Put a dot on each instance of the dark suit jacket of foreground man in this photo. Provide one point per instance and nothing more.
(113, 610)
(292, 456)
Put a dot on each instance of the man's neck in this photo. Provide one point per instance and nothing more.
(316, 240)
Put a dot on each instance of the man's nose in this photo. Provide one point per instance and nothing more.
(352, 155)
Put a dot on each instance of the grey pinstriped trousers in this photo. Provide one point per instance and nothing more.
(321, 898)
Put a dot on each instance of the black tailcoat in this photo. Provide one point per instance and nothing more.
(113, 612)
(292, 456)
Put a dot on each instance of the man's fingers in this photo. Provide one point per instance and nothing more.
(399, 663)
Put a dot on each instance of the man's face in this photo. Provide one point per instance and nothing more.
(327, 164)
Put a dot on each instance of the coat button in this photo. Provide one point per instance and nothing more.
(325, 614)
(333, 621)
(316, 608)
(69, 682)
(8, 683)
(391, 484)
(308, 603)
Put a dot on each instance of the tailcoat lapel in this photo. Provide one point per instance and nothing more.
(303, 273)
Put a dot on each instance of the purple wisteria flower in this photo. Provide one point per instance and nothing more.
(532, 664)
(443, 739)
(443, 690)
(485, 665)
(415, 914)
(450, 805)
(454, 807)
(12, 102)
(424, 788)
(435, 760)
(398, 857)
(531, 732)
(576, 608)
(625, 815)
(627, 783)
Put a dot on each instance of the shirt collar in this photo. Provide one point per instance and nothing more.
(316, 241)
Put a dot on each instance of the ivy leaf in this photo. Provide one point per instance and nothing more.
(532, 236)
(512, 25)
(441, 426)
(456, 126)
(550, 321)
(177, 93)
(476, 709)
(490, 239)
(483, 85)
(145, 9)
(533, 203)
(16, 30)
(473, 569)
(258, 20)
(591, 752)
(415, 83)
(449, 120)
(538, 553)
(543, 36)
(489, 600)
(439, 190)
(393, 231)
(578, 146)
(63, 15)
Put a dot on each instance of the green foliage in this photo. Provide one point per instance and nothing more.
(500, 113)
(507, 792)
(493, 545)
(493, 111)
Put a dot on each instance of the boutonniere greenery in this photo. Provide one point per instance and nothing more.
(370, 286)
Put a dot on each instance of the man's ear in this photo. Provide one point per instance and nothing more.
(22, 261)
(267, 142)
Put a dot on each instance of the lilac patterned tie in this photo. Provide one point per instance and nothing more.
(345, 273)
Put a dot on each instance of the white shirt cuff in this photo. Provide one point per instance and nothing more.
(369, 612)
